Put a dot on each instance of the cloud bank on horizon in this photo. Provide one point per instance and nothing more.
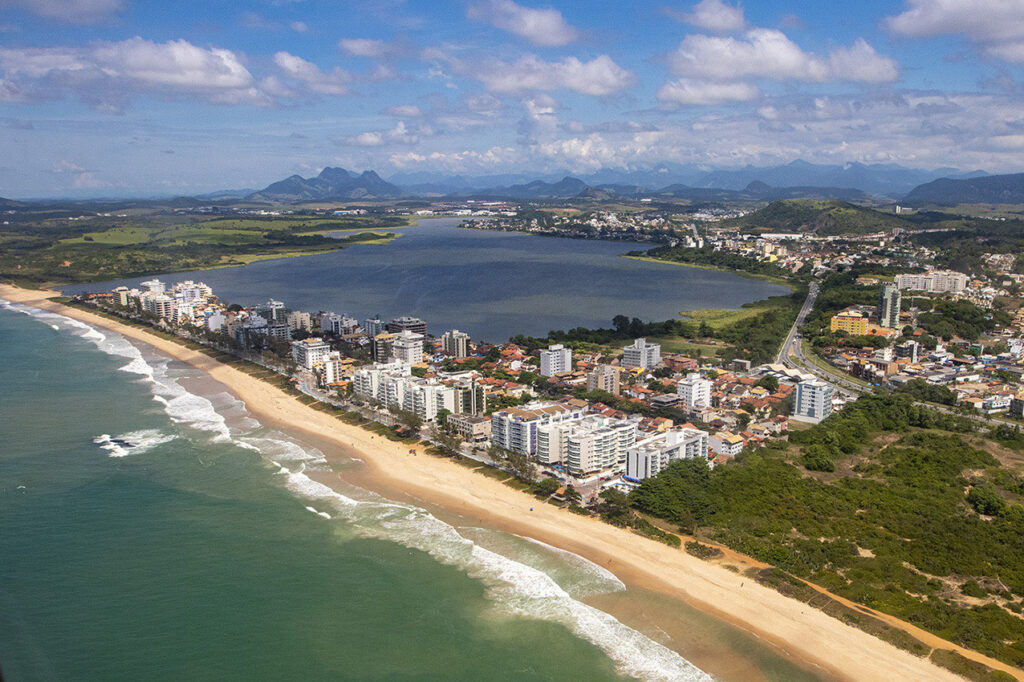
(117, 97)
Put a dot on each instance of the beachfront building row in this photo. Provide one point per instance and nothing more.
(405, 346)
(641, 354)
(650, 456)
(586, 446)
(516, 428)
(308, 353)
(393, 385)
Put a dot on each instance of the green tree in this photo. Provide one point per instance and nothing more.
(546, 487)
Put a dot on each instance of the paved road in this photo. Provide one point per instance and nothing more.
(812, 295)
(792, 355)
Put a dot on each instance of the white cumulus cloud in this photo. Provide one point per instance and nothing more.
(997, 26)
(318, 81)
(600, 76)
(699, 92)
(713, 15)
(364, 47)
(768, 53)
(106, 75)
(400, 134)
(544, 27)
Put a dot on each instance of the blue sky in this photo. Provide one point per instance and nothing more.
(123, 97)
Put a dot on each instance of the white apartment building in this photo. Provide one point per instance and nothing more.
(299, 320)
(641, 354)
(153, 285)
(332, 367)
(650, 456)
(310, 352)
(455, 343)
(938, 281)
(587, 446)
(695, 390)
(813, 401)
(189, 291)
(555, 359)
(725, 443)
(394, 386)
(159, 304)
(407, 347)
(339, 325)
(604, 378)
(516, 428)
(366, 380)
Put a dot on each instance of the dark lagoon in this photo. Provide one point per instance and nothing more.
(491, 284)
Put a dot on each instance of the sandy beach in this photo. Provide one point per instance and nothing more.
(802, 632)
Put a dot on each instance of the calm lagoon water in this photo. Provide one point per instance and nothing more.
(491, 284)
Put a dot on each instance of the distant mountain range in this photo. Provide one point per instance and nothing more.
(852, 182)
(993, 189)
(879, 179)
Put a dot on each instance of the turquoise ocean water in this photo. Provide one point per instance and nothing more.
(151, 529)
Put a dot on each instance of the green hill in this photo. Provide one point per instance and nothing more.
(825, 218)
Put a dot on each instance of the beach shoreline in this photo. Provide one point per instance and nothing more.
(802, 632)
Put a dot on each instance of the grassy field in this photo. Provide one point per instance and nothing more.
(52, 250)
(717, 318)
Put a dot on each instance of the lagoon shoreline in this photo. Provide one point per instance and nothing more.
(806, 635)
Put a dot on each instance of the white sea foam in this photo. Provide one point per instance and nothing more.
(318, 513)
(515, 588)
(132, 442)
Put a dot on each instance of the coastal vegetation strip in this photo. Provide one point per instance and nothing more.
(884, 504)
(40, 248)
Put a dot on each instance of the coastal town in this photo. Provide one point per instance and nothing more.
(590, 417)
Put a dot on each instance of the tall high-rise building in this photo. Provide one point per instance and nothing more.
(555, 359)
(695, 390)
(604, 378)
(407, 347)
(374, 326)
(273, 311)
(642, 354)
(455, 343)
(889, 299)
(813, 401)
(412, 324)
(380, 350)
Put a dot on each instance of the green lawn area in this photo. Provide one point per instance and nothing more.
(717, 318)
(691, 348)
(169, 235)
(117, 236)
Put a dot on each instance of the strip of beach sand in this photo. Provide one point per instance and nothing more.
(803, 632)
